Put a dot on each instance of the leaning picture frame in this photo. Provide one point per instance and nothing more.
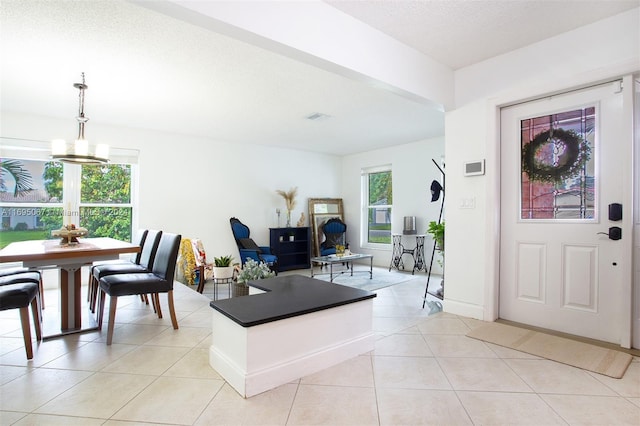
(318, 221)
(322, 206)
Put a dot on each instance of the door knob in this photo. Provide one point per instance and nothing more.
(615, 233)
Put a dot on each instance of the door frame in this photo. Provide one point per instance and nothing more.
(492, 225)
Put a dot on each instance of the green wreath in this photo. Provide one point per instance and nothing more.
(570, 163)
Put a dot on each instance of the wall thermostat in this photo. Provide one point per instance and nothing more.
(474, 168)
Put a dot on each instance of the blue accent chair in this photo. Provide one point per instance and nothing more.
(335, 231)
(249, 249)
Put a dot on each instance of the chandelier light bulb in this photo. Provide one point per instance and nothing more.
(102, 151)
(58, 147)
(81, 147)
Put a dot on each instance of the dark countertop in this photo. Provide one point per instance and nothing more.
(287, 296)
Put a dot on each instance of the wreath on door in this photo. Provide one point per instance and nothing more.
(571, 153)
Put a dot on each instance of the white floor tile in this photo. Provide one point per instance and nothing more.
(424, 370)
(173, 400)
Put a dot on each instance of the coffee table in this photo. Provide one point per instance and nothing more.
(348, 259)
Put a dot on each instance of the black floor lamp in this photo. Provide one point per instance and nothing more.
(436, 190)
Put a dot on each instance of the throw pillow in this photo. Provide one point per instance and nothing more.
(333, 240)
(249, 244)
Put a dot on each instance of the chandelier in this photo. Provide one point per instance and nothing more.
(78, 152)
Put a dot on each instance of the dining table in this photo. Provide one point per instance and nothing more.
(69, 260)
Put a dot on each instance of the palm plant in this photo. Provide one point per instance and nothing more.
(22, 177)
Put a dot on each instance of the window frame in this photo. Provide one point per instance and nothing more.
(130, 204)
(365, 206)
(30, 150)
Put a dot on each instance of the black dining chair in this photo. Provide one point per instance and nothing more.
(21, 270)
(158, 280)
(27, 276)
(139, 239)
(18, 291)
(149, 240)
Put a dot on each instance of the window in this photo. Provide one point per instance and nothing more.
(105, 201)
(30, 199)
(38, 196)
(558, 166)
(377, 195)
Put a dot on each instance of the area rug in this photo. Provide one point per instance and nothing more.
(600, 360)
(360, 279)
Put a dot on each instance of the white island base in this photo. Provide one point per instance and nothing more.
(261, 357)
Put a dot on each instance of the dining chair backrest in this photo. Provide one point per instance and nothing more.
(138, 240)
(149, 248)
(164, 264)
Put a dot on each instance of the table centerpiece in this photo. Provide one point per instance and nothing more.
(69, 234)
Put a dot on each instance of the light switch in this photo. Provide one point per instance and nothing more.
(468, 203)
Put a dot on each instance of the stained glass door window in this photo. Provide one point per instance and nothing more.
(558, 165)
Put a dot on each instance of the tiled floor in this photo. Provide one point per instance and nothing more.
(423, 371)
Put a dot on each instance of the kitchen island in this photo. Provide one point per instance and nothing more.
(293, 327)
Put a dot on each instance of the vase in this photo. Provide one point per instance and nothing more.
(240, 289)
(288, 218)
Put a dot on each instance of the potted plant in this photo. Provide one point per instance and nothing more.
(222, 267)
(437, 233)
(251, 271)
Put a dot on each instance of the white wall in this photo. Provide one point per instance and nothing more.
(413, 172)
(606, 49)
(325, 37)
(192, 186)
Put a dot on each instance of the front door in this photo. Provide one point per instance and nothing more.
(561, 160)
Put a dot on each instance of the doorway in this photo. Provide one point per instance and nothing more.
(561, 171)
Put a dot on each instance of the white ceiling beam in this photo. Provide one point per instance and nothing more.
(320, 35)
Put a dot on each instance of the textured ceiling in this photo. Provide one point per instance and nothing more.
(459, 33)
(149, 70)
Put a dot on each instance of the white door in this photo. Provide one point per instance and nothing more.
(557, 270)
